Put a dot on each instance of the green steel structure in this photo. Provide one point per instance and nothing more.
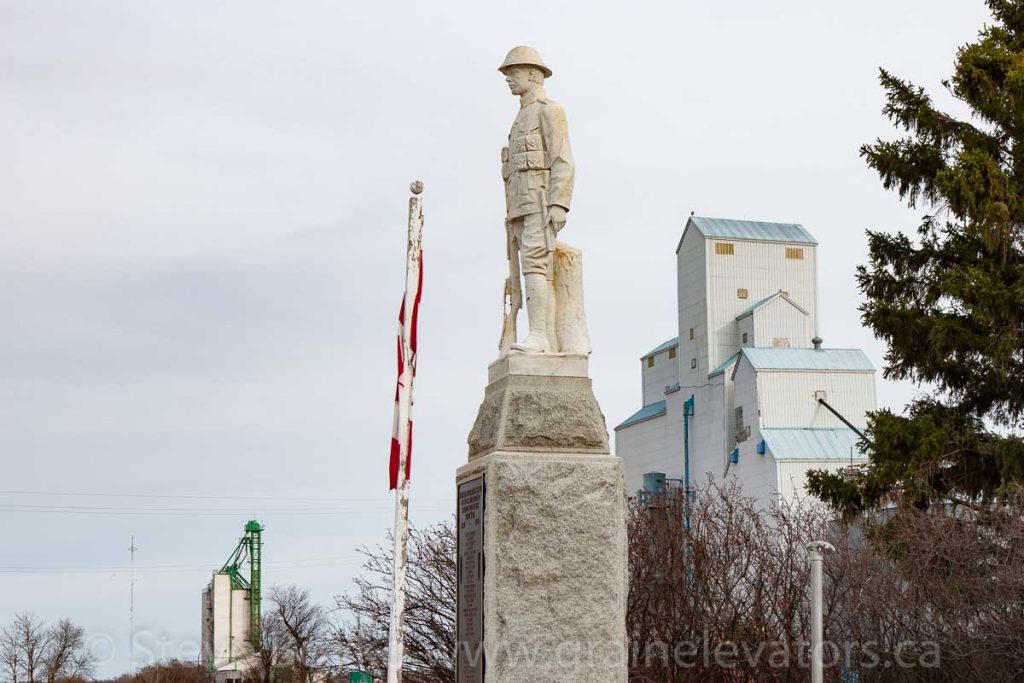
(254, 530)
(249, 548)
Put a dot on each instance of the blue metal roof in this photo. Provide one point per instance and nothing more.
(645, 413)
(765, 300)
(807, 359)
(812, 444)
(752, 230)
(724, 366)
(665, 346)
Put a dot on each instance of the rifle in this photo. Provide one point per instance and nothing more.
(511, 300)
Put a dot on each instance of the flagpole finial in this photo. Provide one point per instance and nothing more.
(416, 186)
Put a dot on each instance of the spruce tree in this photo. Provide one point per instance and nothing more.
(949, 302)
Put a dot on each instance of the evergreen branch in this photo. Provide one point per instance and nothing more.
(908, 106)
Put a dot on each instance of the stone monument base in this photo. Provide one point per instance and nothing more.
(539, 402)
(554, 577)
(541, 531)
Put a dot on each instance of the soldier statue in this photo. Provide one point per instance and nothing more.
(538, 171)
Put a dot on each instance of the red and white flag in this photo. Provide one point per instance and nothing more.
(401, 431)
(406, 373)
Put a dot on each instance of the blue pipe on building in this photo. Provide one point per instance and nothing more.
(687, 412)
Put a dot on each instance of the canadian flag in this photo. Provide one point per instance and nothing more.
(406, 373)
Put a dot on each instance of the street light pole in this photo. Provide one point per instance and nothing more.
(817, 550)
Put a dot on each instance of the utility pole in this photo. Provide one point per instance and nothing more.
(131, 611)
(817, 550)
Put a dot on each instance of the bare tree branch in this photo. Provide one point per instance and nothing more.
(304, 627)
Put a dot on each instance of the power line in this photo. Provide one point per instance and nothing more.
(333, 499)
(158, 512)
(189, 565)
(339, 560)
(194, 570)
(146, 508)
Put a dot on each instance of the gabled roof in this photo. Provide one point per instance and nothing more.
(852, 360)
(646, 413)
(724, 366)
(768, 299)
(812, 444)
(760, 231)
(664, 346)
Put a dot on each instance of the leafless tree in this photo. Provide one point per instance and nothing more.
(29, 638)
(355, 645)
(32, 653)
(361, 637)
(925, 595)
(304, 626)
(719, 592)
(948, 582)
(718, 587)
(274, 641)
(65, 656)
(10, 655)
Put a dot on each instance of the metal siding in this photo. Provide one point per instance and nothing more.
(715, 416)
(746, 325)
(728, 412)
(691, 292)
(761, 302)
(762, 269)
(745, 396)
(672, 463)
(787, 397)
(726, 367)
(707, 301)
(779, 318)
(654, 445)
(754, 472)
(705, 435)
(792, 477)
(817, 298)
(664, 373)
(642, 449)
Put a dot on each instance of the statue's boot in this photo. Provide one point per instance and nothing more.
(537, 312)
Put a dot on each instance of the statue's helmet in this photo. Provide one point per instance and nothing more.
(524, 56)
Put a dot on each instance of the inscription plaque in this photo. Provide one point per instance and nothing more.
(469, 633)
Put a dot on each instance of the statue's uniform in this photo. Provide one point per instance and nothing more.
(538, 170)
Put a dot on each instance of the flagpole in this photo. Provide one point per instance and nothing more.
(404, 409)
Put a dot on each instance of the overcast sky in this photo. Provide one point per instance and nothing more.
(202, 249)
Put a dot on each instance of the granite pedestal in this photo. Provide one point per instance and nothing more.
(542, 531)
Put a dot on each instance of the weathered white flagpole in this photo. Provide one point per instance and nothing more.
(412, 281)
